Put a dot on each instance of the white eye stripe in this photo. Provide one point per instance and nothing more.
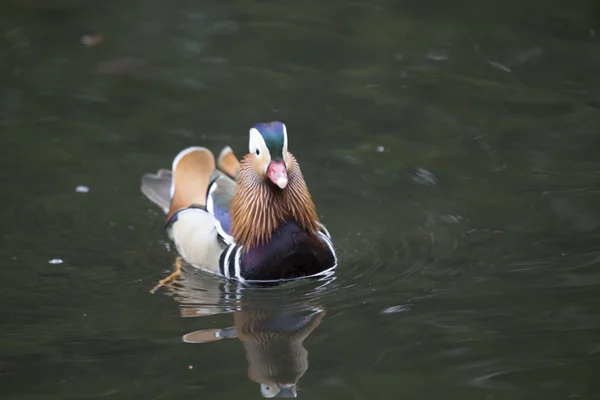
(257, 142)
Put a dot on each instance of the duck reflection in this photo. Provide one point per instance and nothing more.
(272, 331)
(273, 341)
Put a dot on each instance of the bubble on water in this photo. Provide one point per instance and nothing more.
(55, 261)
(82, 189)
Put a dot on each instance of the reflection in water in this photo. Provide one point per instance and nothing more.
(271, 324)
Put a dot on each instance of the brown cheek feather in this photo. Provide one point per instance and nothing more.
(257, 209)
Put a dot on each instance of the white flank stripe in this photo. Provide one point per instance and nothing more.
(237, 262)
(226, 260)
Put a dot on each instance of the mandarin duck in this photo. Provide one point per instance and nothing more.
(252, 220)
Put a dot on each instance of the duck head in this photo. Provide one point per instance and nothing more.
(269, 147)
(270, 189)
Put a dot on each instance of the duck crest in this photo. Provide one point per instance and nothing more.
(273, 135)
(257, 210)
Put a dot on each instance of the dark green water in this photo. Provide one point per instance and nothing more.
(452, 149)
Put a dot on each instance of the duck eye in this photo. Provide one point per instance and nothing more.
(257, 152)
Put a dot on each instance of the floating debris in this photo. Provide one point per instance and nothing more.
(380, 149)
(437, 55)
(82, 189)
(499, 66)
(351, 160)
(394, 309)
(451, 219)
(55, 261)
(92, 39)
(424, 177)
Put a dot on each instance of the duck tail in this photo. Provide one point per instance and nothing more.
(157, 188)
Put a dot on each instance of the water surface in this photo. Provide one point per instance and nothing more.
(451, 149)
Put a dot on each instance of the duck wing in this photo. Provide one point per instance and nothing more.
(218, 202)
(196, 182)
(186, 185)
